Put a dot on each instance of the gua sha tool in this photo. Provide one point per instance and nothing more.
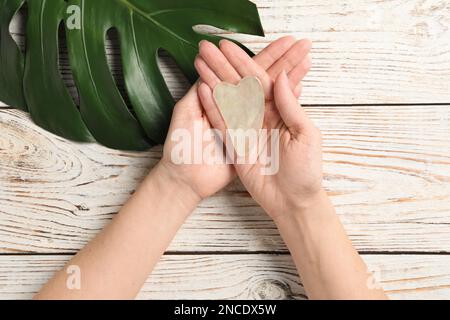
(242, 107)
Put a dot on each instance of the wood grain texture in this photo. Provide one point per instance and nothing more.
(239, 276)
(387, 169)
(365, 51)
(387, 166)
(368, 51)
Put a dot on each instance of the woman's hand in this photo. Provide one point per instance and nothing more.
(298, 182)
(328, 264)
(206, 179)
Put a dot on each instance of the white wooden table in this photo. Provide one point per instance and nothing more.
(380, 92)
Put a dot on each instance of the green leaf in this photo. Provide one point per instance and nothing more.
(144, 27)
(11, 59)
(48, 99)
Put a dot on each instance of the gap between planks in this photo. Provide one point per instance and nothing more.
(231, 252)
(337, 105)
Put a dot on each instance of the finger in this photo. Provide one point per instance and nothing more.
(209, 105)
(300, 71)
(245, 65)
(214, 115)
(291, 59)
(298, 90)
(268, 56)
(217, 62)
(292, 114)
(205, 72)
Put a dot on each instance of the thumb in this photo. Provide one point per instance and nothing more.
(189, 106)
(291, 112)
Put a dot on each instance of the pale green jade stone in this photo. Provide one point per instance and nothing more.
(242, 107)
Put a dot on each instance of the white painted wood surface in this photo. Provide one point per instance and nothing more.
(388, 169)
(387, 166)
(262, 276)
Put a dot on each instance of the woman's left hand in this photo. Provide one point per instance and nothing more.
(205, 179)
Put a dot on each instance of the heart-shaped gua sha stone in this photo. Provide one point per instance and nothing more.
(242, 108)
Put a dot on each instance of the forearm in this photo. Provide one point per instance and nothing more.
(328, 264)
(117, 262)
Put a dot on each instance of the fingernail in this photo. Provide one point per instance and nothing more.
(201, 42)
(223, 41)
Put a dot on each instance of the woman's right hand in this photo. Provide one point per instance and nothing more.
(298, 181)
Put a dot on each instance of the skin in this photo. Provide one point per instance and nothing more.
(294, 197)
(116, 263)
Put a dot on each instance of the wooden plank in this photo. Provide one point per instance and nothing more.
(365, 51)
(239, 276)
(387, 169)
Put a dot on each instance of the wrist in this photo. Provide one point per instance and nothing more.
(313, 206)
(165, 182)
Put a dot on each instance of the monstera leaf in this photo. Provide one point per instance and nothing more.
(34, 82)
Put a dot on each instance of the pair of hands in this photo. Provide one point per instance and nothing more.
(280, 68)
